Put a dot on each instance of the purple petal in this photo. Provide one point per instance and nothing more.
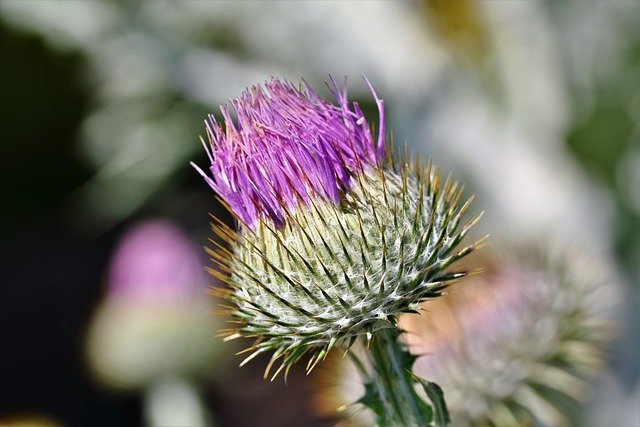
(287, 146)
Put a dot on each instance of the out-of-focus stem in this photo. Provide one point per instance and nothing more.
(174, 401)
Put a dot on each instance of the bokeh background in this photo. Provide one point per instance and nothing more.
(534, 105)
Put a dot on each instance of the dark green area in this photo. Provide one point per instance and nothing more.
(42, 103)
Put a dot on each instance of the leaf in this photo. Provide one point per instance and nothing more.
(371, 399)
(436, 396)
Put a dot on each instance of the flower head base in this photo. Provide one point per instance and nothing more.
(289, 146)
(338, 243)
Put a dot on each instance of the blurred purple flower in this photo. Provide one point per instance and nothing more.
(155, 261)
(288, 146)
(153, 310)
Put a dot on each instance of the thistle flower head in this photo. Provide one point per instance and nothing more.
(334, 242)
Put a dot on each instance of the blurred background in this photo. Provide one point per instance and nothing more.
(103, 316)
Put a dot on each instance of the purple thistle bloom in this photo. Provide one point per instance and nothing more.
(306, 179)
(288, 146)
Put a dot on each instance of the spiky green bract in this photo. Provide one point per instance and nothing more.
(334, 272)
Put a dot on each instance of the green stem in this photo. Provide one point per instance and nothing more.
(393, 383)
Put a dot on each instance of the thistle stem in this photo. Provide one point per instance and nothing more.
(393, 384)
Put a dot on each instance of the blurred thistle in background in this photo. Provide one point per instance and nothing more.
(154, 330)
(521, 343)
(534, 104)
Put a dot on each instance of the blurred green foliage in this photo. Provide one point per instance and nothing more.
(605, 137)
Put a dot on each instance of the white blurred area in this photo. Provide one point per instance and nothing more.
(491, 90)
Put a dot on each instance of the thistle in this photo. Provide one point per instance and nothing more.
(519, 344)
(335, 239)
(152, 306)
